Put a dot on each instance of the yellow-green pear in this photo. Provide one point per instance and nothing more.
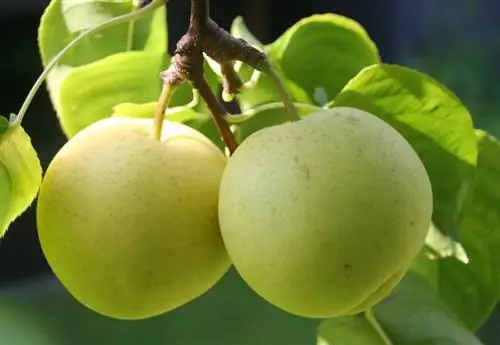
(129, 223)
(323, 216)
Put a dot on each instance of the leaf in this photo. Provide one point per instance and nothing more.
(444, 246)
(181, 114)
(62, 20)
(264, 91)
(472, 288)
(206, 125)
(412, 315)
(264, 116)
(100, 71)
(20, 175)
(142, 110)
(352, 330)
(338, 44)
(81, 15)
(239, 29)
(89, 93)
(434, 122)
(4, 125)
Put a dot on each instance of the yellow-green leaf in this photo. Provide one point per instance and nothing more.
(89, 93)
(20, 175)
(433, 120)
(322, 52)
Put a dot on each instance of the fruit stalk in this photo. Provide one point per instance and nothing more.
(163, 101)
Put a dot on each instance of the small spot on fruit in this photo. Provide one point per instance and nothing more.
(351, 120)
(303, 167)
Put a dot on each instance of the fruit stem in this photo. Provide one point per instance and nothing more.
(161, 107)
(267, 68)
(372, 319)
(16, 121)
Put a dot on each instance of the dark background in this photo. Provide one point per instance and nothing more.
(457, 42)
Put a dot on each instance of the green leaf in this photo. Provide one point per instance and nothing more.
(88, 93)
(352, 330)
(4, 125)
(20, 175)
(206, 125)
(239, 29)
(104, 69)
(181, 114)
(322, 53)
(82, 15)
(435, 123)
(412, 315)
(472, 287)
(264, 91)
(23, 324)
(338, 44)
(266, 115)
(63, 20)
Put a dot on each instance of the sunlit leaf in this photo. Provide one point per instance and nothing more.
(20, 175)
(434, 122)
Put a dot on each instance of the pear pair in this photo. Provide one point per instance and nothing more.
(321, 217)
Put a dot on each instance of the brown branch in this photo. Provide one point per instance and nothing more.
(223, 48)
(187, 65)
(200, 14)
(232, 82)
(218, 112)
(204, 35)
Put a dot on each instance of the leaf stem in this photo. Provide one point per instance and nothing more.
(112, 22)
(130, 36)
(253, 81)
(130, 29)
(161, 106)
(372, 319)
(267, 68)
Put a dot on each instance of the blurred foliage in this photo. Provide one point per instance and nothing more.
(228, 314)
(460, 47)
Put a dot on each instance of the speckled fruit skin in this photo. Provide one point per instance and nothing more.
(128, 223)
(322, 217)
